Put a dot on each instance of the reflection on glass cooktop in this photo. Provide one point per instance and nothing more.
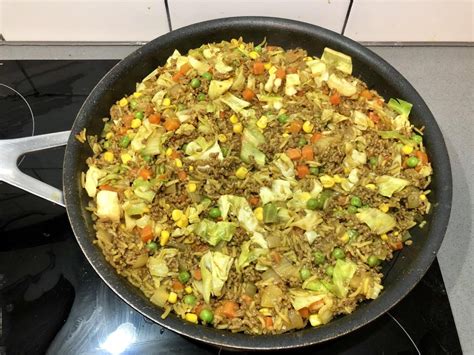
(52, 301)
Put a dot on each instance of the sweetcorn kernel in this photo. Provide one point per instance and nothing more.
(371, 186)
(222, 138)
(338, 179)
(192, 187)
(109, 157)
(258, 212)
(345, 237)
(191, 317)
(182, 222)
(327, 181)
(188, 289)
(265, 311)
(176, 215)
(169, 151)
(136, 123)
(238, 128)
(166, 101)
(384, 237)
(407, 149)
(137, 94)
(267, 66)
(123, 102)
(241, 172)
(125, 158)
(233, 119)
(164, 237)
(109, 135)
(172, 297)
(423, 197)
(191, 168)
(178, 163)
(254, 55)
(262, 122)
(384, 207)
(308, 127)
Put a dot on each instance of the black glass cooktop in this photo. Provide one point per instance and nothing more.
(52, 301)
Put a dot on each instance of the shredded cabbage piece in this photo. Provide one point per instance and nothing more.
(388, 185)
(215, 267)
(378, 221)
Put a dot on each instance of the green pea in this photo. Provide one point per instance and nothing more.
(352, 209)
(282, 118)
(225, 151)
(181, 107)
(412, 162)
(152, 246)
(312, 204)
(206, 201)
(207, 76)
(139, 115)
(373, 161)
(319, 202)
(201, 97)
(417, 138)
(352, 233)
(338, 253)
(356, 201)
(106, 144)
(373, 261)
(184, 276)
(214, 212)
(302, 142)
(195, 83)
(146, 158)
(330, 270)
(319, 257)
(258, 49)
(133, 104)
(305, 274)
(314, 170)
(206, 316)
(124, 142)
(189, 300)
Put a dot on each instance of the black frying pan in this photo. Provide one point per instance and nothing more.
(401, 274)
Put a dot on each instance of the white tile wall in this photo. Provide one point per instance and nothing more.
(326, 13)
(1, 16)
(82, 20)
(143, 20)
(411, 20)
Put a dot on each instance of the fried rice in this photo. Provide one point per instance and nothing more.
(256, 189)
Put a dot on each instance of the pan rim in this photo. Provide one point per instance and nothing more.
(289, 340)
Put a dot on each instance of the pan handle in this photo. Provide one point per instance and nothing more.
(12, 149)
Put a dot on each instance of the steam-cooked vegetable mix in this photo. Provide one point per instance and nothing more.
(255, 189)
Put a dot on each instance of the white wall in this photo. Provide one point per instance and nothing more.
(328, 14)
(83, 20)
(143, 20)
(411, 20)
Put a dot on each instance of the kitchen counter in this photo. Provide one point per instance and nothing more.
(444, 76)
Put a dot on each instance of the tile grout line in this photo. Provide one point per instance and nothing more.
(346, 19)
(167, 7)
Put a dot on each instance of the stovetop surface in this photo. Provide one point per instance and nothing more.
(52, 301)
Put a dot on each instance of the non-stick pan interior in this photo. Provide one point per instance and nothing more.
(402, 273)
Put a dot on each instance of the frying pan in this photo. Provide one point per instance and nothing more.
(401, 274)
